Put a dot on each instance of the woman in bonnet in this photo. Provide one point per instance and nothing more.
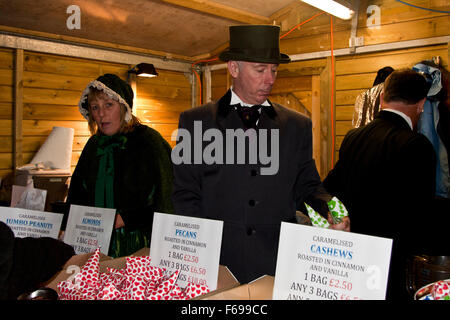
(124, 165)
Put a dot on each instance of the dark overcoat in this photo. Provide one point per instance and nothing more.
(142, 177)
(385, 176)
(26, 263)
(251, 204)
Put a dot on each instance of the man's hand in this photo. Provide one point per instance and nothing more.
(343, 225)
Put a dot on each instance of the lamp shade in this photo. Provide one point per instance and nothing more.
(144, 70)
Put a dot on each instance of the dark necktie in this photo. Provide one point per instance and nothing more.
(249, 115)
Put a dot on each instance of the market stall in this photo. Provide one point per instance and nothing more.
(168, 52)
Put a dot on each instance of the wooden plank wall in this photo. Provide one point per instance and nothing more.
(160, 101)
(398, 22)
(52, 86)
(6, 110)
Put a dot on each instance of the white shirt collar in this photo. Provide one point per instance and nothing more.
(404, 116)
(235, 100)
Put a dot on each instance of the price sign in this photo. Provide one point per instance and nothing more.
(89, 228)
(31, 223)
(323, 264)
(190, 245)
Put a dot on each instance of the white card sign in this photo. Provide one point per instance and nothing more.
(31, 223)
(89, 228)
(323, 264)
(190, 245)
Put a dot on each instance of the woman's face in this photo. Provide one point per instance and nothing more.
(106, 113)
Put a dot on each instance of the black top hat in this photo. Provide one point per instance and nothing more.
(255, 43)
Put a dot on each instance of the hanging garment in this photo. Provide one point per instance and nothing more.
(367, 105)
(428, 124)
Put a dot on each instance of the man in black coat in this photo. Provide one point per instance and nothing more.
(255, 185)
(385, 176)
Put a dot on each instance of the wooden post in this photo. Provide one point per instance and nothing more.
(331, 111)
(229, 80)
(207, 82)
(194, 90)
(132, 82)
(325, 107)
(18, 109)
(316, 124)
(448, 51)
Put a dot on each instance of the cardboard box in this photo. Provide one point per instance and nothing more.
(56, 182)
(259, 289)
(225, 281)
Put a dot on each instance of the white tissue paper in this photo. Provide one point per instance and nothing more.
(56, 152)
(28, 197)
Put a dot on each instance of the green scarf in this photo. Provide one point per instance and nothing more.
(104, 186)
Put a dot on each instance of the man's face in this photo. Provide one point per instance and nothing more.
(253, 81)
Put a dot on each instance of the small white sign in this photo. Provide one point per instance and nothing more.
(89, 228)
(324, 264)
(31, 223)
(190, 245)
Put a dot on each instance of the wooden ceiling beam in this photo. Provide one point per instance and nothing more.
(39, 35)
(222, 11)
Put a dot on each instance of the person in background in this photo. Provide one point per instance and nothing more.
(367, 104)
(435, 125)
(385, 176)
(25, 263)
(124, 165)
(251, 201)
